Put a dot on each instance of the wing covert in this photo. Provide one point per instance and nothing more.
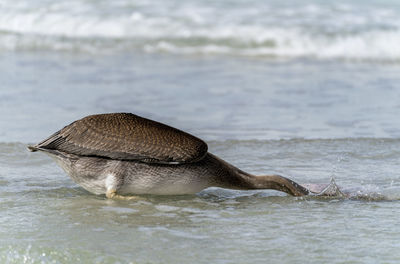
(127, 136)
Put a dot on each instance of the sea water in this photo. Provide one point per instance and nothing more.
(305, 89)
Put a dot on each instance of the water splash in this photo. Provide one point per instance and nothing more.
(362, 193)
(332, 190)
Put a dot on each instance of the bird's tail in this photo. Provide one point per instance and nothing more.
(32, 148)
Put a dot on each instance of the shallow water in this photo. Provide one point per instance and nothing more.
(45, 217)
(309, 91)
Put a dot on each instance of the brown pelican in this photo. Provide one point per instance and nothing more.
(122, 154)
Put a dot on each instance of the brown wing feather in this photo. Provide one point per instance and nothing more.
(126, 136)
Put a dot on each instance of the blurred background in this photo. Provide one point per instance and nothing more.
(224, 69)
(306, 89)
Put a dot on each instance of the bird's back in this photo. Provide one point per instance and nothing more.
(126, 136)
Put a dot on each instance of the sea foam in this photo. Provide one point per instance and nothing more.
(335, 31)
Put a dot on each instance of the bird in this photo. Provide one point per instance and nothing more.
(123, 156)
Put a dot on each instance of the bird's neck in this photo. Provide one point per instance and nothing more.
(279, 183)
(234, 178)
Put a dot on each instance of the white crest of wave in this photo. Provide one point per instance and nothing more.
(292, 44)
(60, 25)
(93, 32)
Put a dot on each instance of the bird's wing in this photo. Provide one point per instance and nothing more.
(127, 137)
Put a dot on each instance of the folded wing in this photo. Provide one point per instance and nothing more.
(126, 136)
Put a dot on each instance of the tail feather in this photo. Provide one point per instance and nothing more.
(32, 148)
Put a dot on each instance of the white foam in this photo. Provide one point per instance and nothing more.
(318, 31)
(371, 46)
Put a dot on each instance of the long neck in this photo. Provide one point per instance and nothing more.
(278, 183)
(231, 177)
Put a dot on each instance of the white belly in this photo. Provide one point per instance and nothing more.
(163, 187)
(98, 175)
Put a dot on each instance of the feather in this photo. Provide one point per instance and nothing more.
(126, 136)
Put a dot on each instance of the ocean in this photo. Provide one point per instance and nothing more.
(305, 89)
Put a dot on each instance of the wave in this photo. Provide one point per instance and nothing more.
(381, 46)
(315, 31)
(286, 44)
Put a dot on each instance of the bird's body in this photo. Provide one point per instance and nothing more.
(121, 154)
(130, 177)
